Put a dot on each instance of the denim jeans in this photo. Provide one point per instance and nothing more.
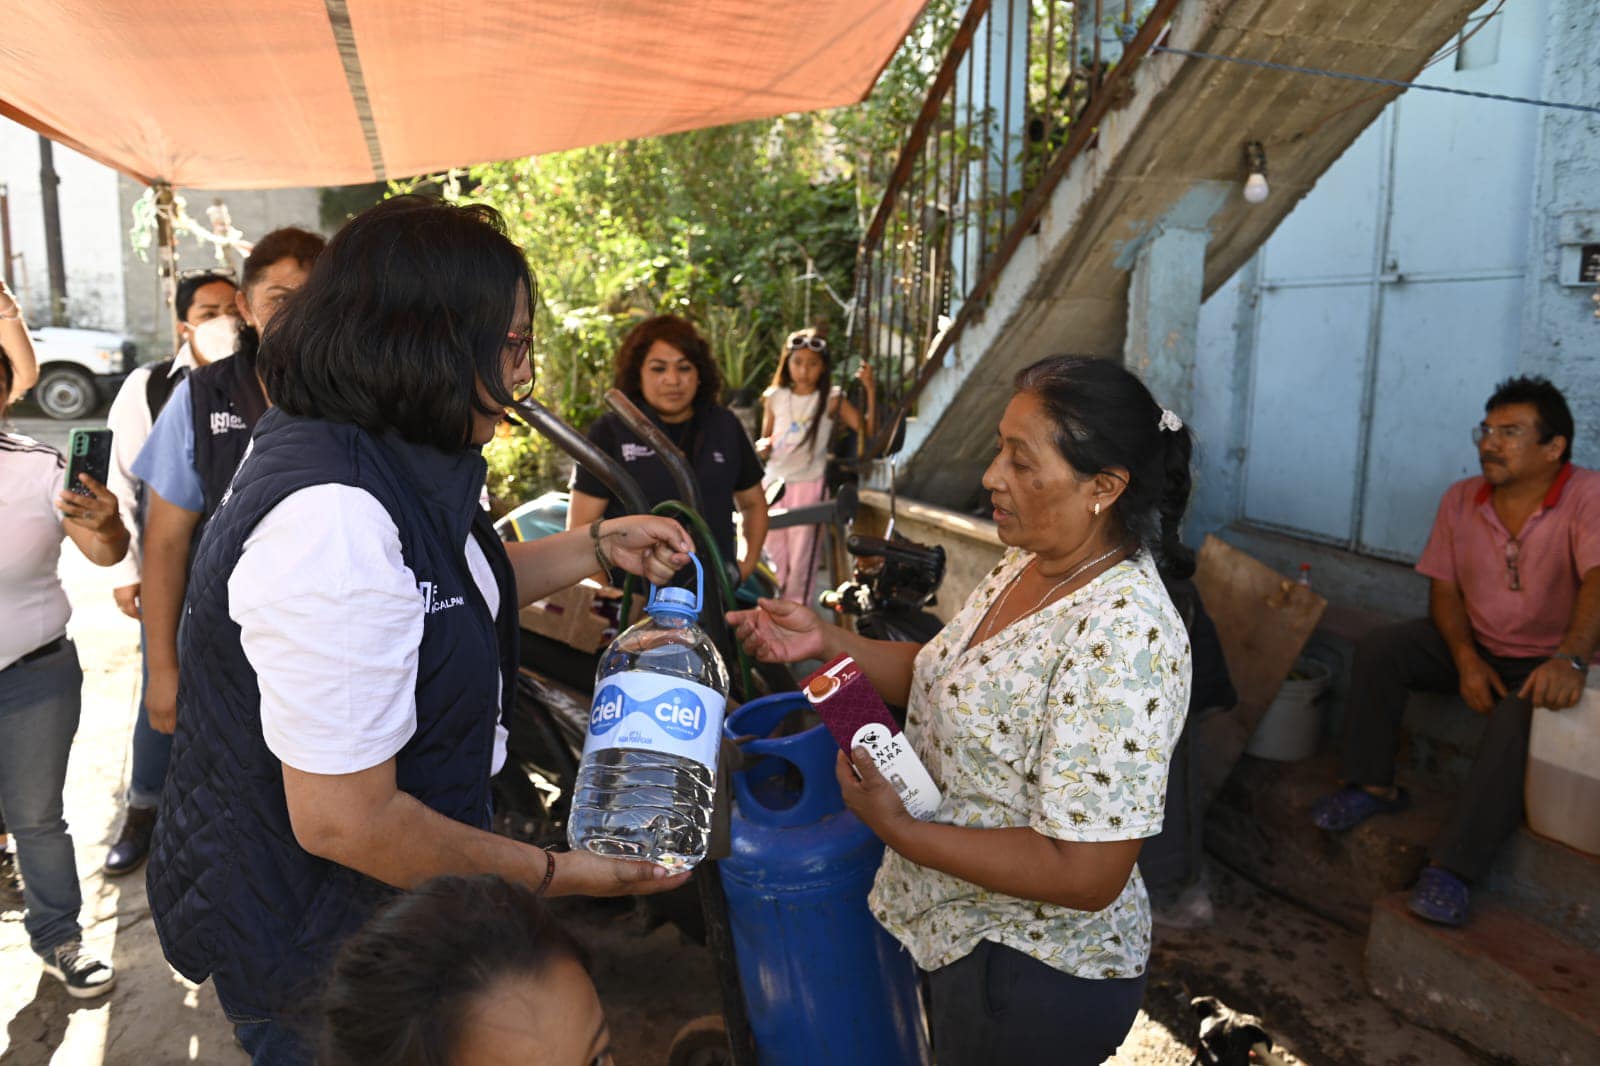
(152, 751)
(39, 706)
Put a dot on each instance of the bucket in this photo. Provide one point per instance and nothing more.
(1563, 783)
(1292, 726)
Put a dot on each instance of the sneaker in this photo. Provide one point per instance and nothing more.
(10, 881)
(85, 974)
(133, 844)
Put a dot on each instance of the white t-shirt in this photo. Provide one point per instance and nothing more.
(33, 605)
(129, 421)
(792, 416)
(330, 617)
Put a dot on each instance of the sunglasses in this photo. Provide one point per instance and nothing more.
(816, 344)
(213, 273)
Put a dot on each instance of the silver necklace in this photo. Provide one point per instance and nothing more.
(1005, 597)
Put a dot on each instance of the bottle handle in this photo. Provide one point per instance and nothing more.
(699, 587)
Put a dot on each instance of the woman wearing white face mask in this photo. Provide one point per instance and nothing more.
(190, 458)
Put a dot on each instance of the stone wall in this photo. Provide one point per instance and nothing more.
(1560, 334)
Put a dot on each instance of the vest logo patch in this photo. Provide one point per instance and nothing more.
(225, 422)
(718, 457)
(634, 452)
(433, 601)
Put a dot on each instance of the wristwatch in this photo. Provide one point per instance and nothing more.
(1577, 663)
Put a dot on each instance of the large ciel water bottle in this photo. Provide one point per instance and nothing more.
(649, 768)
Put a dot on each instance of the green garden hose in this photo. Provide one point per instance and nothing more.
(701, 534)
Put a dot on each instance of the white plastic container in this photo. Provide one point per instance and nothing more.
(1563, 785)
(1292, 727)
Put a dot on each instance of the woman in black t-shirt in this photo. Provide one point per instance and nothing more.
(665, 367)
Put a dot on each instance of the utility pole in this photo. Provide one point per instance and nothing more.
(5, 236)
(48, 182)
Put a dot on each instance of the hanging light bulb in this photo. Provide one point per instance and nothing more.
(1255, 161)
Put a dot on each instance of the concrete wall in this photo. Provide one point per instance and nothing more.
(108, 285)
(255, 212)
(91, 232)
(971, 545)
(1560, 333)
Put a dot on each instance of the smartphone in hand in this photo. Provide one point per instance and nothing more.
(88, 452)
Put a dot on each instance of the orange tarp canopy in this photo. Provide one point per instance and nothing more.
(265, 93)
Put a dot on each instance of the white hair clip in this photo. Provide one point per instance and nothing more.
(1170, 421)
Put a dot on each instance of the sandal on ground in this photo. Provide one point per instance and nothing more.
(1440, 897)
(1352, 805)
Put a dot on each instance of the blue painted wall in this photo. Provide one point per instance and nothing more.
(1339, 372)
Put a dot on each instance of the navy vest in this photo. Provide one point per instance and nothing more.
(233, 895)
(225, 403)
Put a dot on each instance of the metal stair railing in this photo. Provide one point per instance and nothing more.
(1019, 95)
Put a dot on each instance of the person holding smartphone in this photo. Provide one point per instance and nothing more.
(40, 683)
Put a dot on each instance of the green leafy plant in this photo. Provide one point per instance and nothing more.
(748, 230)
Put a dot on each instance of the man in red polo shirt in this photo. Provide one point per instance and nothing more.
(1514, 623)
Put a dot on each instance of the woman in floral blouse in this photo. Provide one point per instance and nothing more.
(1046, 711)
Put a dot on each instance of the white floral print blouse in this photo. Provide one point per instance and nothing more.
(1064, 722)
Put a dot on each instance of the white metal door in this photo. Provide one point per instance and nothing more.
(1390, 305)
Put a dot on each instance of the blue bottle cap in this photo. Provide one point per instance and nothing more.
(675, 601)
(670, 600)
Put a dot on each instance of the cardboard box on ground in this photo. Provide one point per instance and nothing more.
(573, 616)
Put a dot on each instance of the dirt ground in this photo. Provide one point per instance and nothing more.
(1302, 974)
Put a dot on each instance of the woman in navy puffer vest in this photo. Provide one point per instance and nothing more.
(350, 631)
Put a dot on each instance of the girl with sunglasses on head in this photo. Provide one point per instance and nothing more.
(801, 408)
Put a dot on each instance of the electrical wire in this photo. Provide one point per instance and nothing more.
(1368, 79)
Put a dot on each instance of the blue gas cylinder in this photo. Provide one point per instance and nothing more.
(823, 983)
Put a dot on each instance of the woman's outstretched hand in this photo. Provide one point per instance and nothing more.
(779, 631)
(652, 547)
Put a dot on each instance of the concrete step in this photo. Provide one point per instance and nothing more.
(1261, 826)
(1504, 983)
(1551, 883)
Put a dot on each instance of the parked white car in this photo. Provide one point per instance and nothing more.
(79, 369)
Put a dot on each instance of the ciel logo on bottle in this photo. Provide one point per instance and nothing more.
(678, 711)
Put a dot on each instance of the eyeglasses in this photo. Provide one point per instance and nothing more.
(816, 344)
(1513, 577)
(1483, 431)
(520, 345)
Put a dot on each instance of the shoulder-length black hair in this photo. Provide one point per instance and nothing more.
(681, 334)
(402, 986)
(401, 318)
(1105, 417)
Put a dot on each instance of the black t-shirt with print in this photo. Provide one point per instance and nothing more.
(720, 453)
